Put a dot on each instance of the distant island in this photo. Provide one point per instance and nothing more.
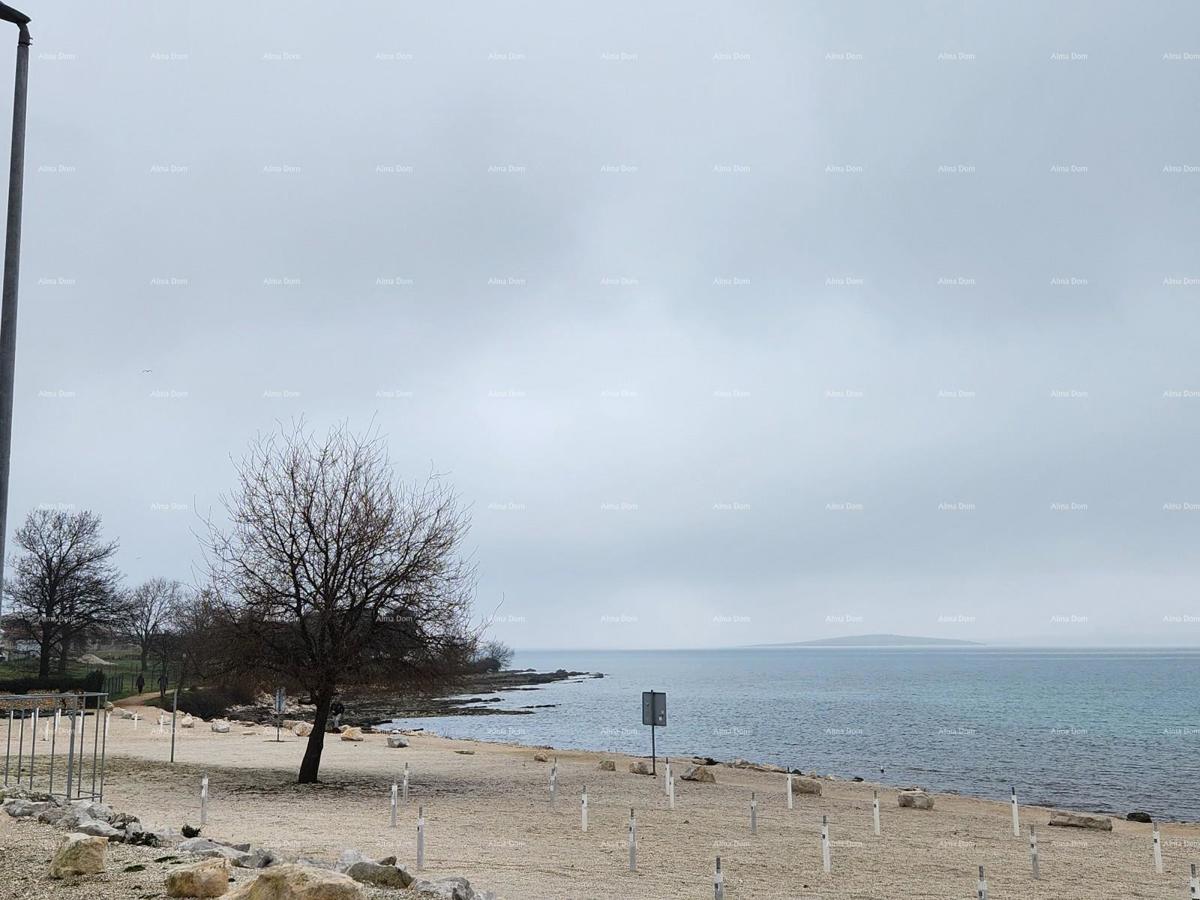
(878, 640)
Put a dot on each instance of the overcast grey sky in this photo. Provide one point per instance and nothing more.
(733, 322)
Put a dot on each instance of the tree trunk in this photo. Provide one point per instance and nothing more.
(62, 655)
(311, 765)
(145, 656)
(44, 660)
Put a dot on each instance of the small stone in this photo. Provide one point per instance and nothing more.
(540, 757)
(465, 752)
(804, 785)
(350, 733)
(79, 854)
(640, 767)
(701, 774)
(207, 878)
(608, 765)
(188, 721)
(1139, 817)
(219, 726)
(302, 729)
(395, 741)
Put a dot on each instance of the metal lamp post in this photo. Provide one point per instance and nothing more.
(12, 266)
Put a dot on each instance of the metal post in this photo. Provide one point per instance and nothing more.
(981, 888)
(12, 265)
(80, 756)
(174, 712)
(95, 745)
(104, 749)
(632, 841)
(1016, 815)
(420, 838)
(719, 882)
(653, 768)
(8, 745)
(753, 814)
(21, 750)
(395, 794)
(826, 860)
(406, 783)
(1033, 852)
(1194, 885)
(71, 758)
(32, 747)
(53, 743)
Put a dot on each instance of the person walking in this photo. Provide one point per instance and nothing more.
(162, 686)
(141, 683)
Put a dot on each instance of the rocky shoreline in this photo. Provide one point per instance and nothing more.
(475, 697)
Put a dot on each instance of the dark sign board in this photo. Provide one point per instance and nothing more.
(654, 708)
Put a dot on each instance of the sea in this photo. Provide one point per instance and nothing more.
(1112, 730)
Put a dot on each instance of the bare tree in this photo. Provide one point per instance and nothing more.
(146, 614)
(64, 587)
(333, 574)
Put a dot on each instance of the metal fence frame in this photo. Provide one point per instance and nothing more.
(23, 708)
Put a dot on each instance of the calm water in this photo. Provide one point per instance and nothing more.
(1110, 730)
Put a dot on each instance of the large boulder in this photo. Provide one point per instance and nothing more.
(608, 765)
(395, 741)
(79, 854)
(302, 729)
(380, 875)
(293, 882)
(1074, 820)
(804, 785)
(1139, 816)
(702, 774)
(350, 733)
(640, 767)
(914, 800)
(187, 722)
(207, 878)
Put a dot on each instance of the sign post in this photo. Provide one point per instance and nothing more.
(654, 714)
(280, 700)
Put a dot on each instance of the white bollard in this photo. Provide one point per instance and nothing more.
(667, 778)
(420, 838)
(632, 841)
(553, 782)
(1157, 851)
(107, 719)
(1033, 853)
(1016, 814)
(57, 715)
(875, 812)
(404, 795)
(826, 860)
(583, 809)
(719, 882)
(204, 800)
(981, 888)
(671, 793)
(395, 801)
(1194, 885)
(753, 814)
(135, 721)
(791, 802)
(46, 731)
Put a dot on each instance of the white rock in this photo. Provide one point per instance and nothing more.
(207, 878)
(79, 854)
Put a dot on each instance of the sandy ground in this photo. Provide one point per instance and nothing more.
(488, 817)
